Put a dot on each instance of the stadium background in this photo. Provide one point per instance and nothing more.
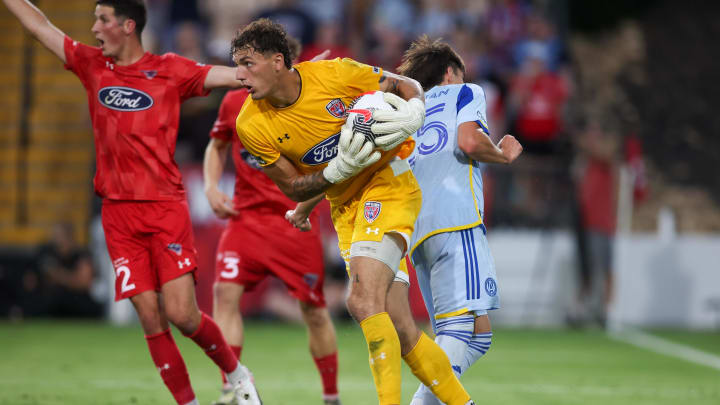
(635, 79)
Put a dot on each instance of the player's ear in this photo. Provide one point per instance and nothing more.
(128, 25)
(278, 61)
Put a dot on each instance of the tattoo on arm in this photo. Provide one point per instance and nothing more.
(357, 278)
(309, 186)
(393, 84)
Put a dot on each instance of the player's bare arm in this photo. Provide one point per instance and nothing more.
(478, 145)
(299, 217)
(296, 186)
(402, 86)
(39, 26)
(213, 162)
(221, 76)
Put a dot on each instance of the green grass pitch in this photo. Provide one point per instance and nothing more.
(46, 362)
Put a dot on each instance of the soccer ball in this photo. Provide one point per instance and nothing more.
(360, 112)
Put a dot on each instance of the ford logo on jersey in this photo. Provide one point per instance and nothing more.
(322, 152)
(124, 99)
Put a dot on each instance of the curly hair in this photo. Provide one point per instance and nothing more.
(427, 61)
(263, 36)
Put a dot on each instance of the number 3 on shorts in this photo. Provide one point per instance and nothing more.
(124, 272)
(231, 264)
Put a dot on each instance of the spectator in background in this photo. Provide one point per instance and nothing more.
(536, 102)
(67, 276)
(293, 18)
(505, 21)
(541, 39)
(596, 174)
(329, 36)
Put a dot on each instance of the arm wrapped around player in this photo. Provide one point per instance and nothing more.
(354, 154)
(393, 127)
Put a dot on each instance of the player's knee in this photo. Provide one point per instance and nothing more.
(315, 317)
(227, 296)
(362, 306)
(186, 318)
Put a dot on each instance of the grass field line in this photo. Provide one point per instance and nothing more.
(663, 346)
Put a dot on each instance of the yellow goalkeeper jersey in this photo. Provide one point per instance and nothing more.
(307, 132)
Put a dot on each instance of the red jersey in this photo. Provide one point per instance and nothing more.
(253, 189)
(135, 112)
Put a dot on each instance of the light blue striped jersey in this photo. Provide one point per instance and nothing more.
(450, 181)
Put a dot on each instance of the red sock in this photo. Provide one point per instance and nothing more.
(328, 368)
(171, 366)
(237, 350)
(211, 340)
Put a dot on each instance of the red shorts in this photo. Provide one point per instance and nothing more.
(150, 243)
(255, 246)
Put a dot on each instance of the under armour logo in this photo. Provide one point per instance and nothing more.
(211, 348)
(281, 139)
(165, 366)
(371, 230)
(109, 65)
(184, 263)
(435, 382)
(382, 356)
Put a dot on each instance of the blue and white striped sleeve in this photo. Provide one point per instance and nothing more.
(471, 106)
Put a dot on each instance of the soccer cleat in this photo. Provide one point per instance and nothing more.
(245, 391)
(227, 398)
(470, 402)
(335, 401)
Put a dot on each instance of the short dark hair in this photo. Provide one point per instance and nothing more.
(263, 36)
(427, 61)
(132, 9)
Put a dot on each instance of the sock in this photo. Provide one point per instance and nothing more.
(384, 349)
(171, 366)
(429, 363)
(237, 350)
(478, 346)
(328, 368)
(453, 336)
(211, 340)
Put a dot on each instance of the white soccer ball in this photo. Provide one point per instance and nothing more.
(360, 112)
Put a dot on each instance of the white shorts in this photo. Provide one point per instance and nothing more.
(456, 273)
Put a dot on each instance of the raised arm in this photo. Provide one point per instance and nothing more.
(221, 76)
(39, 26)
(478, 145)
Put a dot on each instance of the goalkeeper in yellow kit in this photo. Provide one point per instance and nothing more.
(293, 124)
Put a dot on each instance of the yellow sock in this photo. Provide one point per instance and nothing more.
(431, 366)
(384, 348)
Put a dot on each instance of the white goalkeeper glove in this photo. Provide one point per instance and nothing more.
(394, 127)
(354, 154)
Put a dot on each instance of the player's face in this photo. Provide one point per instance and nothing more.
(108, 31)
(256, 72)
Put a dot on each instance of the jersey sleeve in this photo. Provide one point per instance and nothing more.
(78, 56)
(254, 142)
(471, 106)
(356, 77)
(189, 75)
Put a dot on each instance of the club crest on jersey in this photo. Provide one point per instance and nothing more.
(322, 152)
(150, 74)
(372, 210)
(310, 279)
(124, 99)
(336, 108)
(175, 247)
(490, 286)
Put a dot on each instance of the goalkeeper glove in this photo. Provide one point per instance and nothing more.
(394, 127)
(354, 154)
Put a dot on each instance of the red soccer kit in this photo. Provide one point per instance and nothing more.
(135, 111)
(259, 241)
